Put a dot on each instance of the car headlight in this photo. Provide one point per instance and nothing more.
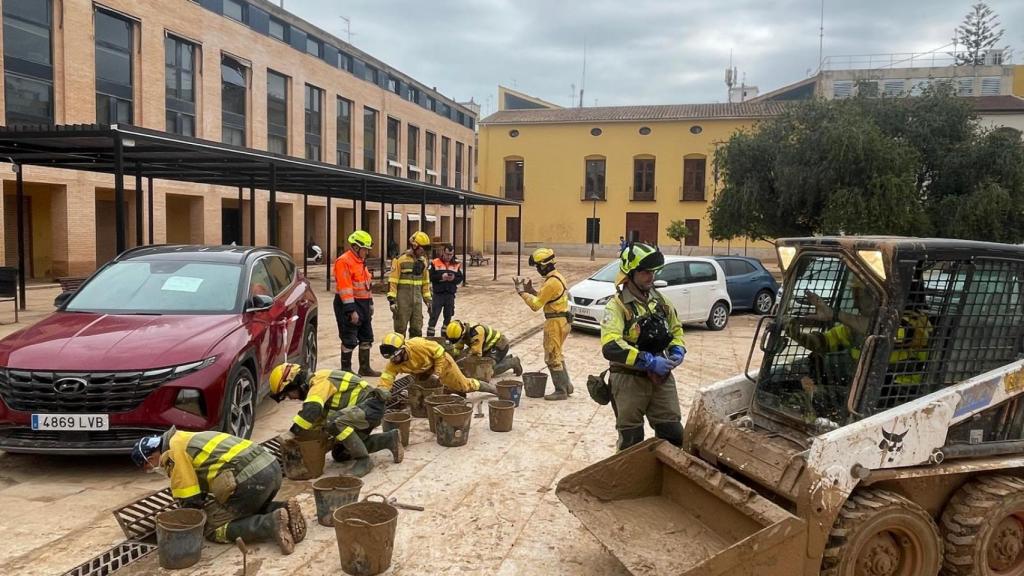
(179, 370)
(603, 301)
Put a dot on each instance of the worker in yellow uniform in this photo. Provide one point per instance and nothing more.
(483, 340)
(426, 360)
(243, 478)
(342, 405)
(642, 339)
(409, 286)
(553, 297)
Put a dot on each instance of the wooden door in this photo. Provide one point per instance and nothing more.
(642, 227)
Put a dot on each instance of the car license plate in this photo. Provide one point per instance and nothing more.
(577, 311)
(73, 422)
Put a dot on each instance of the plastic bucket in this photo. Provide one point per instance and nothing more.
(438, 400)
(510, 390)
(179, 537)
(333, 493)
(366, 536)
(453, 422)
(304, 458)
(417, 395)
(535, 383)
(400, 421)
(501, 413)
(479, 367)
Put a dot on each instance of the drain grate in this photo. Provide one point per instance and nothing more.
(138, 519)
(113, 560)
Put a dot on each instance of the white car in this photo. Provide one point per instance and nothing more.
(695, 286)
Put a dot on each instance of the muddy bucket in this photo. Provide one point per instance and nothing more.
(418, 393)
(438, 400)
(333, 493)
(510, 390)
(535, 383)
(398, 421)
(479, 367)
(501, 412)
(179, 537)
(366, 536)
(453, 422)
(304, 459)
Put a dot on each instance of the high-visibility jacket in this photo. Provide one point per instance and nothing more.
(438, 268)
(479, 339)
(353, 280)
(907, 356)
(422, 358)
(553, 296)
(620, 328)
(194, 459)
(330, 390)
(408, 270)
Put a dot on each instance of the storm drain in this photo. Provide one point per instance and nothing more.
(113, 560)
(138, 519)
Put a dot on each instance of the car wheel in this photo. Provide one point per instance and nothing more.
(240, 403)
(719, 316)
(309, 349)
(763, 302)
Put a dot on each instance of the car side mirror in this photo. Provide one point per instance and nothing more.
(660, 283)
(259, 302)
(63, 298)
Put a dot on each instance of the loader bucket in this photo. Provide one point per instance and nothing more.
(660, 510)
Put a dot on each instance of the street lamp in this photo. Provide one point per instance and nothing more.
(593, 223)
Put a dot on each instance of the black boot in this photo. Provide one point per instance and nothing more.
(390, 440)
(559, 379)
(507, 363)
(671, 431)
(346, 360)
(360, 455)
(568, 382)
(630, 436)
(339, 453)
(364, 362)
(259, 528)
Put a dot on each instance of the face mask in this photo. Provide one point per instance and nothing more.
(157, 470)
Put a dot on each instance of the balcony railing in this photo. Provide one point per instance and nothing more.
(691, 195)
(642, 195)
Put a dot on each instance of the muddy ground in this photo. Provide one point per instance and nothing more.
(490, 505)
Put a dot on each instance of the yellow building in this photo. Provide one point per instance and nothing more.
(636, 168)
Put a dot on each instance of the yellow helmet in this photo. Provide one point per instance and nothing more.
(281, 377)
(419, 238)
(455, 330)
(361, 238)
(542, 256)
(391, 344)
(639, 256)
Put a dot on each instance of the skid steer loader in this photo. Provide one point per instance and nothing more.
(883, 434)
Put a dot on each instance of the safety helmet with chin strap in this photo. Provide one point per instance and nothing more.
(391, 344)
(285, 377)
(638, 256)
(455, 330)
(542, 257)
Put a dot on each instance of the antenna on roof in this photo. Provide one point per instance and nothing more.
(583, 80)
(348, 28)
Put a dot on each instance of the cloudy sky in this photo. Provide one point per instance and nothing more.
(638, 51)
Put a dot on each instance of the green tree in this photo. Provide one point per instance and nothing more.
(678, 231)
(979, 32)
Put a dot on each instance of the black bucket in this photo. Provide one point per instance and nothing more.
(179, 537)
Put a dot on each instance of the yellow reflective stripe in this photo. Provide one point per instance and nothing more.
(302, 422)
(353, 398)
(492, 338)
(631, 357)
(439, 353)
(208, 449)
(186, 492)
(412, 282)
(242, 445)
(314, 399)
(345, 433)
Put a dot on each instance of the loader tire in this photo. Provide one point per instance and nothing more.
(983, 528)
(880, 533)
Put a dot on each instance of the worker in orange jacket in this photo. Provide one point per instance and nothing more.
(353, 303)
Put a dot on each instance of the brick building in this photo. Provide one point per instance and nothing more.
(241, 72)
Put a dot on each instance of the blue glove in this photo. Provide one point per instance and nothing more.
(661, 366)
(676, 354)
(643, 361)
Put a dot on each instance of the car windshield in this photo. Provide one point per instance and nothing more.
(164, 287)
(608, 273)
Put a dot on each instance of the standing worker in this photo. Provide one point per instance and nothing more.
(642, 339)
(353, 303)
(445, 277)
(554, 299)
(342, 405)
(242, 477)
(484, 341)
(426, 360)
(409, 286)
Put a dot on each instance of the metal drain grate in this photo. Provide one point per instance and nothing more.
(112, 560)
(138, 519)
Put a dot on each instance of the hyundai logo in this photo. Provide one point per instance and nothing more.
(70, 385)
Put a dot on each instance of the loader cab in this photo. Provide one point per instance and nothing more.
(866, 324)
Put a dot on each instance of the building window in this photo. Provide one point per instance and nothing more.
(394, 127)
(595, 131)
(233, 97)
(28, 64)
(430, 154)
(593, 187)
(693, 233)
(314, 122)
(445, 147)
(694, 178)
(842, 88)
(514, 178)
(412, 144)
(513, 133)
(314, 47)
(644, 130)
(395, 85)
(279, 30)
(458, 165)
(471, 160)
(344, 61)
(277, 113)
(696, 129)
(643, 179)
(370, 74)
(593, 231)
(235, 10)
(965, 87)
(413, 95)
(369, 139)
(512, 229)
(344, 125)
(114, 58)
(179, 66)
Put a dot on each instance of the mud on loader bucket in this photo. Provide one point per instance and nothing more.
(660, 510)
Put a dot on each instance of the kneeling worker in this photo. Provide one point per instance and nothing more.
(425, 359)
(242, 476)
(483, 341)
(342, 405)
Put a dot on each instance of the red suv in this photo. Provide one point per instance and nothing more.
(161, 336)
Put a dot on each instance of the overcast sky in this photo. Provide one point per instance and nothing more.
(638, 51)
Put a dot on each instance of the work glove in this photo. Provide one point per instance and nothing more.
(528, 287)
(676, 354)
(518, 283)
(392, 304)
(660, 366)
